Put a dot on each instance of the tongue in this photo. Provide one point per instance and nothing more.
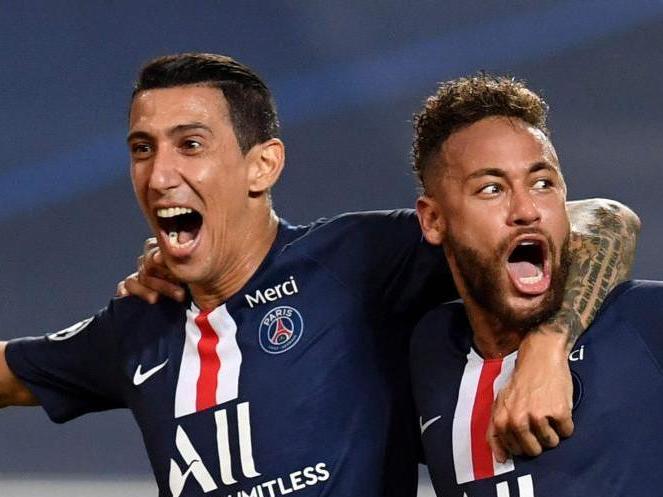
(184, 236)
(523, 269)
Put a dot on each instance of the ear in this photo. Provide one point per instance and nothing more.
(431, 220)
(266, 164)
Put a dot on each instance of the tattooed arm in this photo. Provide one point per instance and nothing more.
(603, 247)
(534, 409)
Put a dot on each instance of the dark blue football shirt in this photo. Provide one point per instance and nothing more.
(617, 370)
(298, 385)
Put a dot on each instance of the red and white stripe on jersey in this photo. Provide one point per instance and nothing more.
(482, 379)
(209, 371)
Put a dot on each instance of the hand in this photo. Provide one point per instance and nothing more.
(152, 279)
(533, 410)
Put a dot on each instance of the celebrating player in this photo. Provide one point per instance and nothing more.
(284, 368)
(495, 199)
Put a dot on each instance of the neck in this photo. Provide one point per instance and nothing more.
(255, 241)
(492, 339)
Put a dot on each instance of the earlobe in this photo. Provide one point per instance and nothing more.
(431, 220)
(266, 166)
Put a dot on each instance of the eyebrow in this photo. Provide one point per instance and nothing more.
(180, 128)
(500, 173)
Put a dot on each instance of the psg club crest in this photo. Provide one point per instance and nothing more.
(280, 329)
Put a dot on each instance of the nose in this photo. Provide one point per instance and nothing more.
(523, 210)
(164, 174)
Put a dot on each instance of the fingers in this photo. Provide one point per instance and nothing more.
(160, 286)
(132, 286)
(152, 277)
(514, 440)
(563, 425)
(524, 441)
(150, 288)
(149, 244)
(499, 450)
(524, 434)
(151, 263)
(533, 409)
(545, 434)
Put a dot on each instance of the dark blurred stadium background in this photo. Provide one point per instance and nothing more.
(347, 76)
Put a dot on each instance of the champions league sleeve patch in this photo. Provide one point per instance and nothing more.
(280, 329)
(73, 330)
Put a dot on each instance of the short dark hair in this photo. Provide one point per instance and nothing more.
(461, 102)
(252, 110)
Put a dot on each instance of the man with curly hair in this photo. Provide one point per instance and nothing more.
(495, 199)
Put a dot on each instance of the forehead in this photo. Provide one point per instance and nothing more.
(167, 107)
(496, 142)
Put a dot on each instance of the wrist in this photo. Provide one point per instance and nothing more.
(546, 344)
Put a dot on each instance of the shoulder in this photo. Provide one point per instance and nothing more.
(641, 300)
(357, 239)
(637, 307)
(354, 226)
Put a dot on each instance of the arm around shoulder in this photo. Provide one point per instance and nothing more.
(603, 247)
(12, 390)
(538, 397)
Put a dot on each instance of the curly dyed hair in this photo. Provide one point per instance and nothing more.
(461, 102)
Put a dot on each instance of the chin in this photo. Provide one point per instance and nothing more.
(526, 305)
(185, 272)
(525, 313)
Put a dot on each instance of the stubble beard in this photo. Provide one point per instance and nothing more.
(482, 276)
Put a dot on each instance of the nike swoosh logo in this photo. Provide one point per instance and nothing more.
(425, 425)
(140, 377)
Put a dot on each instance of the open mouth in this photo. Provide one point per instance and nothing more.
(528, 266)
(179, 226)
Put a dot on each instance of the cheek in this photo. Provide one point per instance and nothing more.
(483, 223)
(475, 231)
(139, 180)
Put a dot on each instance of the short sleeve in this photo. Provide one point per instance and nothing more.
(71, 372)
(382, 257)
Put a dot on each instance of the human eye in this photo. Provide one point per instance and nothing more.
(191, 145)
(490, 190)
(140, 150)
(542, 184)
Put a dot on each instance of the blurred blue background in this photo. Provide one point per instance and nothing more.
(347, 76)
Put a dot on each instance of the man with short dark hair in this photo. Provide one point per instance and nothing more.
(282, 371)
(495, 199)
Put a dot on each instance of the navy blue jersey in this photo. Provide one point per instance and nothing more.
(617, 371)
(297, 384)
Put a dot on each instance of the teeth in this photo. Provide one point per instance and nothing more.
(530, 280)
(173, 211)
(172, 239)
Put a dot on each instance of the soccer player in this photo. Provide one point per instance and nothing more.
(284, 370)
(495, 199)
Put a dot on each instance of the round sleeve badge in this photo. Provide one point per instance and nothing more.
(280, 329)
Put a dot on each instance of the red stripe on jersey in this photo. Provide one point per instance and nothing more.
(210, 364)
(482, 457)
